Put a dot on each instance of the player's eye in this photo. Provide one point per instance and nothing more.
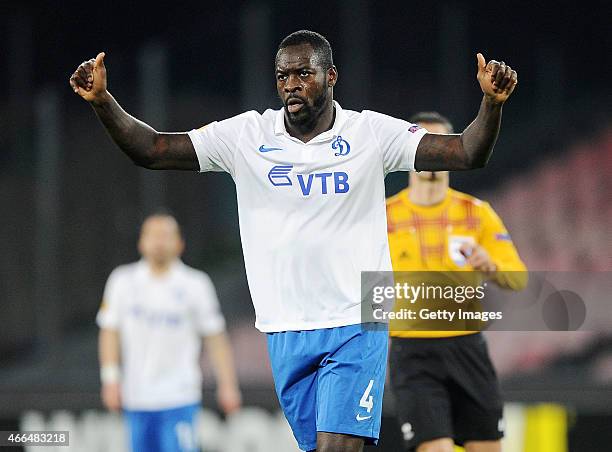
(281, 77)
(304, 73)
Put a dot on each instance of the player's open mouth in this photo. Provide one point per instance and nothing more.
(294, 105)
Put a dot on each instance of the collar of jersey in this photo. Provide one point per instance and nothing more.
(431, 208)
(340, 119)
(145, 270)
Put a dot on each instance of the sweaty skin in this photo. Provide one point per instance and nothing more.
(306, 90)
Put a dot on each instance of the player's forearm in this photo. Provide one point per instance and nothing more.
(221, 357)
(135, 138)
(108, 347)
(479, 138)
(470, 150)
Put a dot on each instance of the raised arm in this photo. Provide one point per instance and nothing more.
(143, 144)
(472, 148)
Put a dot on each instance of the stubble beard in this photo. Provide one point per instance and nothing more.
(306, 119)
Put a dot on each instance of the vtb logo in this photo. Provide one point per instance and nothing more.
(336, 181)
(278, 175)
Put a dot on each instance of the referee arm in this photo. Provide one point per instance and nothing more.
(143, 144)
(472, 148)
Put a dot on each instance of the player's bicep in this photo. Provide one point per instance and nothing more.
(174, 151)
(441, 152)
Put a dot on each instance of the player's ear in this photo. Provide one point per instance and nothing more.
(332, 76)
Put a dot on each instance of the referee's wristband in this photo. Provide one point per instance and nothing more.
(110, 373)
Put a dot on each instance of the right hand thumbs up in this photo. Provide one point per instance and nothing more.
(89, 79)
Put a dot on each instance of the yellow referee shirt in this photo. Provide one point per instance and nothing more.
(427, 238)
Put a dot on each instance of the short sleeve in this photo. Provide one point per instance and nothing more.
(398, 141)
(210, 320)
(216, 143)
(108, 314)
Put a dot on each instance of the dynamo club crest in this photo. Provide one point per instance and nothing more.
(341, 146)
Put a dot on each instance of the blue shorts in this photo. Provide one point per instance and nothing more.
(172, 430)
(331, 380)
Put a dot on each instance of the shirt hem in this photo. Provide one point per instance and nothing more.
(305, 326)
(162, 406)
(429, 334)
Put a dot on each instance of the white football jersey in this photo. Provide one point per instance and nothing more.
(312, 215)
(161, 321)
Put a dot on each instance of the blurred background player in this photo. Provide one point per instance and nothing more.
(153, 316)
(444, 383)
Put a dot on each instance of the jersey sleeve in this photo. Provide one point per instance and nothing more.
(398, 141)
(511, 271)
(108, 315)
(216, 143)
(210, 320)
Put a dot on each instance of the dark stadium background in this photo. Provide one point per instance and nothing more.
(71, 203)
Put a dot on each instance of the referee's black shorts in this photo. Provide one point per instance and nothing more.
(445, 388)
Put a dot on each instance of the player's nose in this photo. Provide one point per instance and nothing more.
(293, 84)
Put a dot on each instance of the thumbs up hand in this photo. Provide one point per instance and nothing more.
(497, 80)
(89, 79)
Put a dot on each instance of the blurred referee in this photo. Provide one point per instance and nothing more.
(444, 383)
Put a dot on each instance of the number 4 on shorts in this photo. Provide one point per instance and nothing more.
(367, 401)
